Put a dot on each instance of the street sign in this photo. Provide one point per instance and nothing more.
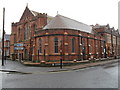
(18, 48)
(18, 44)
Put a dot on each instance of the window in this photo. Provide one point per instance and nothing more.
(73, 45)
(102, 47)
(19, 32)
(90, 46)
(26, 32)
(82, 45)
(15, 38)
(56, 45)
(80, 42)
(40, 45)
(35, 27)
(96, 46)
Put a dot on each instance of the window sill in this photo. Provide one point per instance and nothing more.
(40, 53)
(73, 53)
(55, 53)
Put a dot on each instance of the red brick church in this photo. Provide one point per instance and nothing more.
(39, 37)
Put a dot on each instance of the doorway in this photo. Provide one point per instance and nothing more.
(26, 54)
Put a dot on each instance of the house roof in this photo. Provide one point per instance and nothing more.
(107, 29)
(62, 22)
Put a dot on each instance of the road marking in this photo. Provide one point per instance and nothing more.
(39, 72)
(61, 71)
(84, 69)
(49, 72)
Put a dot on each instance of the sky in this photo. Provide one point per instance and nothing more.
(89, 12)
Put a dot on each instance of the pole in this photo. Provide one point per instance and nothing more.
(61, 54)
(44, 55)
(105, 55)
(30, 53)
(3, 37)
(38, 56)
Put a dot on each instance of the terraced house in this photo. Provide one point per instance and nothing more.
(41, 38)
(112, 38)
(6, 46)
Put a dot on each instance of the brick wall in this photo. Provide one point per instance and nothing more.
(66, 36)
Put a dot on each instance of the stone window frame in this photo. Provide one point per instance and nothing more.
(40, 45)
(90, 46)
(73, 45)
(26, 32)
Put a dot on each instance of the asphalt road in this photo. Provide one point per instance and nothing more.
(95, 77)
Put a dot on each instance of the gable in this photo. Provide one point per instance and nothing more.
(26, 13)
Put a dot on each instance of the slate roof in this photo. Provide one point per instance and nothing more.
(107, 29)
(62, 22)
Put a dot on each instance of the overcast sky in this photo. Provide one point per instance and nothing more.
(86, 11)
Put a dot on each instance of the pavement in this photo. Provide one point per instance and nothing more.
(81, 66)
(15, 66)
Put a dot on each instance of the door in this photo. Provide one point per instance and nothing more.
(26, 54)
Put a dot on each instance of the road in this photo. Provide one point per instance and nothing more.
(105, 76)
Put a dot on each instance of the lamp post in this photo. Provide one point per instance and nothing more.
(44, 55)
(30, 51)
(38, 56)
(61, 54)
(3, 37)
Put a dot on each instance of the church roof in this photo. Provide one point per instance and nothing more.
(62, 22)
(30, 13)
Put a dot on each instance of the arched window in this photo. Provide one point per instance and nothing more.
(73, 45)
(34, 27)
(56, 45)
(26, 32)
(19, 36)
(90, 46)
(40, 46)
